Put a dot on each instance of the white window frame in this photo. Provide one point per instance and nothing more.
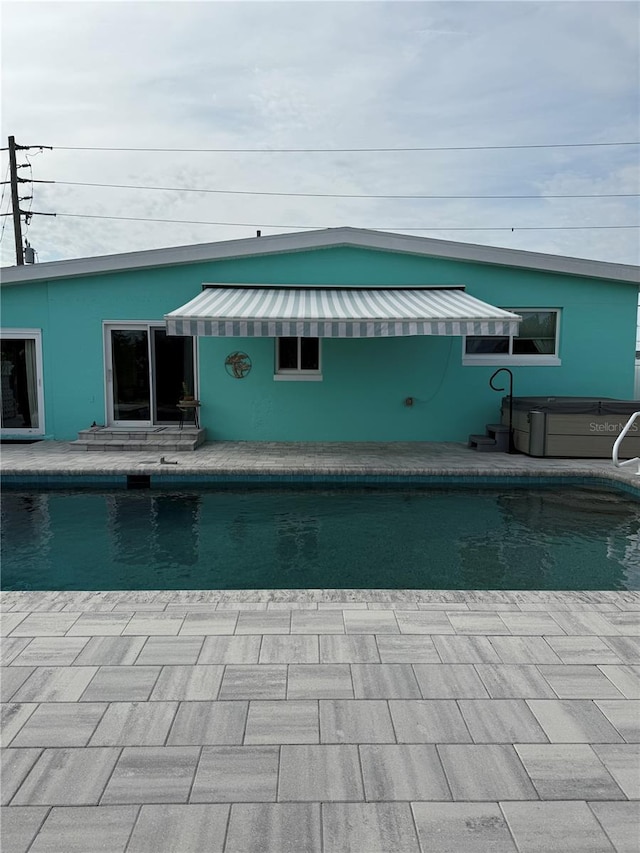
(36, 336)
(297, 374)
(506, 359)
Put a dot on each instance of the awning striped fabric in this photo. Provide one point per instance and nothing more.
(337, 312)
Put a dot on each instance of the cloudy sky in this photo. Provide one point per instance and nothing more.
(481, 77)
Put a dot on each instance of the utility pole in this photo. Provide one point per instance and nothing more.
(15, 201)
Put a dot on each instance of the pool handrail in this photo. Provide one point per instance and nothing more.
(618, 442)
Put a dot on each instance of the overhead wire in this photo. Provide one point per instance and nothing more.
(345, 150)
(342, 195)
(337, 195)
(376, 228)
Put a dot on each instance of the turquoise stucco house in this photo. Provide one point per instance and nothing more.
(334, 335)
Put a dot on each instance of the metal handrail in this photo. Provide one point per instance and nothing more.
(618, 442)
(493, 376)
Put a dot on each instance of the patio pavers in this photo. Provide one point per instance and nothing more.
(329, 740)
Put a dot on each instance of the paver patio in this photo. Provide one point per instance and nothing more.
(321, 721)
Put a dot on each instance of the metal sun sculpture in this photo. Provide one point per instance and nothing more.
(238, 365)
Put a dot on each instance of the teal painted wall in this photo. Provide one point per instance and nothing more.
(365, 382)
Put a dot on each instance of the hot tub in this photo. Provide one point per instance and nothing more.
(578, 427)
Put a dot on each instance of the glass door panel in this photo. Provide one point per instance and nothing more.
(131, 385)
(172, 367)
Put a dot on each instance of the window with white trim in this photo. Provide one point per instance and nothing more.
(298, 359)
(21, 398)
(536, 343)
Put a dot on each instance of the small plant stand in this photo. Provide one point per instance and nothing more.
(185, 406)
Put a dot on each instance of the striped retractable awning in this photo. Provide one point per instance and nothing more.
(321, 312)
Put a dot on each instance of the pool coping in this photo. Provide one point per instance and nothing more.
(50, 464)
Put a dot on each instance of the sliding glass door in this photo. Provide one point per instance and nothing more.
(146, 370)
(21, 371)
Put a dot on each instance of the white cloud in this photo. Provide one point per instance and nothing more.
(325, 75)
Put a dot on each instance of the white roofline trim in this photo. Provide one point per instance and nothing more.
(327, 238)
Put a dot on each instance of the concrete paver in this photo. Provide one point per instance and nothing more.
(384, 681)
(67, 777)
(19, 827)
(264, 681)
(538, 828)
(463, 828)
(320, 681)
(134, 724)
(428, 721)
(200, 723)
(568, 772)
(355, 721)
(621, 822)
(190, 828)
(228, 774)
(274, 828)
(573, 721)
(402, 772)
(61, 724)
(501, 721)
(623, 763)
(485, 772)
(370, 827)
(624, 715)
(86, 830)
(282, 722)
(149, 774)
(320, 773)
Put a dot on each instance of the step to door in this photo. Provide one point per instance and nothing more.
(171, 439)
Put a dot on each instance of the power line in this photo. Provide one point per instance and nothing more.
(335, 195)
(376, 228)
(344, 150)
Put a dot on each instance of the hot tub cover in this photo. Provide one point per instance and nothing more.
(574, 405)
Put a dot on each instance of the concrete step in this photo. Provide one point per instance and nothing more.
(500, 433)
(483, 443)
(112, 447)
(171, 439)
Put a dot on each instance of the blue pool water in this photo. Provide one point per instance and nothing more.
(448, 538)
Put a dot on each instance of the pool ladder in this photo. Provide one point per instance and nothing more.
(618, 442)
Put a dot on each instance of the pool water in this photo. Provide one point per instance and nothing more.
(448, 538)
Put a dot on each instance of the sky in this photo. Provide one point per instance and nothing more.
(484, 78)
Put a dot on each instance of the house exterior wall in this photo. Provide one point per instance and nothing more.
(365, 382)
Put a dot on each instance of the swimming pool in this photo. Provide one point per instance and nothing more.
(444, 538)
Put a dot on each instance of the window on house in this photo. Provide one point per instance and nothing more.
(298, 358)
(537, 342)
(21, 398)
